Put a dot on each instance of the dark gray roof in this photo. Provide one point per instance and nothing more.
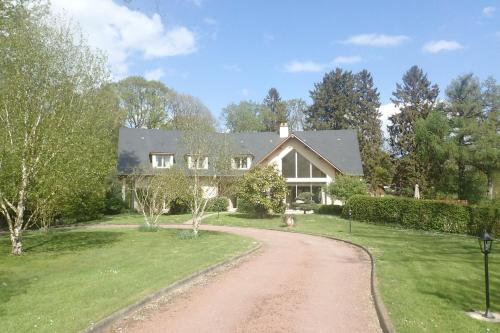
(339, 147)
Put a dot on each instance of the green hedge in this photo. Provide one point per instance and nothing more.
(425, 214)
(329, 210)
(218, 204)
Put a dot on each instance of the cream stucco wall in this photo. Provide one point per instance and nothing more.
(275, 159)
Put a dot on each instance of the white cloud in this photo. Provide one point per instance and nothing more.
(122, 32)
(386, 111)
(197, 3)
(304, 67)
(154, 74)
(489, 11)
(436, 46)
(347, 60)
(245, 92)
(376, 39)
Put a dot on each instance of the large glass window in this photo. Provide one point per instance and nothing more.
(294, 191)
(288, 165)
(294, 165)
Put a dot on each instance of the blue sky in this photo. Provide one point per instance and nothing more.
(227, 51)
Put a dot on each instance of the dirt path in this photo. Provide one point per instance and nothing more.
(295, 283)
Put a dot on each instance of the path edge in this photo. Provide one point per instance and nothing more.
(106, 323)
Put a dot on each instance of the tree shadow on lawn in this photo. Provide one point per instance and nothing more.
(11, 286)
(58, 241)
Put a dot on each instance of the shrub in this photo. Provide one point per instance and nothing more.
(304, 202)
(264, 189)
(178, 206)
(329, 209)
(423, 214)
(345, 187)
(243, 206)
(218, 204)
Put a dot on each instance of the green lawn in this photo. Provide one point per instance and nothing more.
(68, 279)
(427, 280)
(134, 218)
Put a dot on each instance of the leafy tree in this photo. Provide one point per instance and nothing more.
(296, 109)
(465, 109)
(277, 110)
(155, 192)
(246, 116)
(145, 102)
(264, 189)
(305, 202)
(333, 101)
(436, 153)
(188, 113)
(345, 187)
(54, 137)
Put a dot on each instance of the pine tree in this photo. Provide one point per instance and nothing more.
(333, 101)
(366, 118)
(278, 110)
(415, 97)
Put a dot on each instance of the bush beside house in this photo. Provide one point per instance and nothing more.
(218, 204)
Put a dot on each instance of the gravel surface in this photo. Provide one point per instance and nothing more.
(295, 283)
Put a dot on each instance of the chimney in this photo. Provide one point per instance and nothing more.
(283, 130)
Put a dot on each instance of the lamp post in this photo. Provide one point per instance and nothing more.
(350, 220)
(485, 242)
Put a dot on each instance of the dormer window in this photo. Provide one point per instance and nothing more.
(161, 160)
(241, 162)
(197, 162)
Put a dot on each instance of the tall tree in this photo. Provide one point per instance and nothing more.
(485, 147)
(188, 113)
(145, 102)
(277, 108)
(246, 116)
(415, 97)
(296, 108)
(333, 101)
(54, 137)
(465, 109)
(366, 118)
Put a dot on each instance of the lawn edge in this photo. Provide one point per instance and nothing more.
(106, 323)
(382, 313)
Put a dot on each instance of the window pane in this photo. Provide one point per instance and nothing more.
(288, 165)
(291, 194)
(302, 189)
(302, 167)
(316, 193)
(317, 173)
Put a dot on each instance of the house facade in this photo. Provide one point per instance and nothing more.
(308, 160)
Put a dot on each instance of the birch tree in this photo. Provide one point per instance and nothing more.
(53, 130)
(208, 161)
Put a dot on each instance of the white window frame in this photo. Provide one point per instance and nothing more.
(167, 158)
(237, 162)
(199, 166)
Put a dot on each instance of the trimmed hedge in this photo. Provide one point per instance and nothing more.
(218, 204)
(329, 210)
(424, 214)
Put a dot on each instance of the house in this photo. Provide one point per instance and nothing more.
(308, 160)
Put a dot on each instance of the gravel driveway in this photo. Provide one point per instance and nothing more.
(295, 283)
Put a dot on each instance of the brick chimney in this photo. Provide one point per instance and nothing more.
(283, 130)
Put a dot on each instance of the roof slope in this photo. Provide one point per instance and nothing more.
(340, 147)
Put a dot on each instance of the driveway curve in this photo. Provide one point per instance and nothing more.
(294, 283)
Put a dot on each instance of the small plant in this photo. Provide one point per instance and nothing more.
(304, 202)
(187, 234)
(148, 228)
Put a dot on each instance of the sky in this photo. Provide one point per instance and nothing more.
(225, 51)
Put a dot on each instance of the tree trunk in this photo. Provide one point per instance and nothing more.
(461, 181)
(490, 184)
(196, 225)
(15, 238)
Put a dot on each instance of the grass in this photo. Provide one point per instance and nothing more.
(427, 280)
(134, 218)
(68, 279)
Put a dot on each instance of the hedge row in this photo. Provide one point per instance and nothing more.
(425, 214)
(329, 210)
